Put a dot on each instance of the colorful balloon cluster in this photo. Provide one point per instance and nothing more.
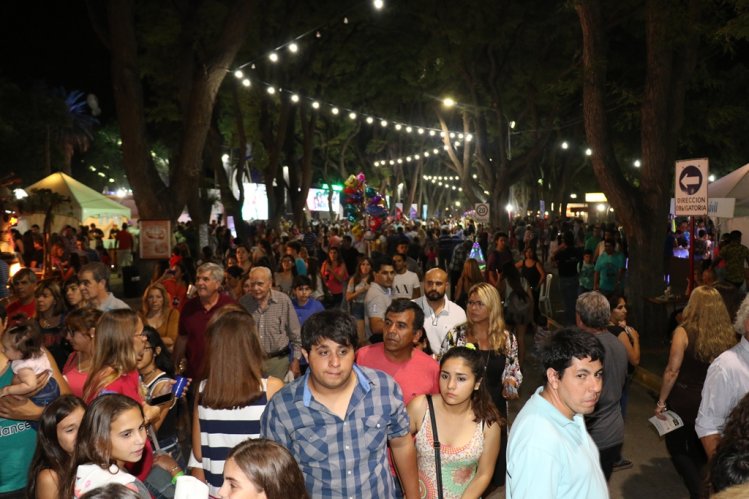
(360, 201)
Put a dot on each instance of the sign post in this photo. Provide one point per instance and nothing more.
(690, 199)
(482, 213)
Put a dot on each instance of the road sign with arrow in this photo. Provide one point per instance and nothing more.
(690, 191)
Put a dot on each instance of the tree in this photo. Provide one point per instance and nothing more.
(200, 55)
(671, 43)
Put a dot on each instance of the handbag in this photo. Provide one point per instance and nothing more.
(436, 440)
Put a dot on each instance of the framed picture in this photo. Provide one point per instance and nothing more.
(155, 239)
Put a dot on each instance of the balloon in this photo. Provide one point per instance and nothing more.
(370, 192)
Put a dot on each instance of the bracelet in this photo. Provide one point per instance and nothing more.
(174, 478)
(177, 467)
(660, 404)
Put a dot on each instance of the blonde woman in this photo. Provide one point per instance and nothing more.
(156, 311)
(485, 329)
(705, 332)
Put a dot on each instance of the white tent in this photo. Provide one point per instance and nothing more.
(85, 205)
(734, 185)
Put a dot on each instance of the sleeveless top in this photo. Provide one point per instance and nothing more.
(75, 378)
(458, 464)
(531, 274)
(222, 429)
(686, 395)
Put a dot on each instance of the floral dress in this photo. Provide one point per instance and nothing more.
(499, 370)
(458, 464)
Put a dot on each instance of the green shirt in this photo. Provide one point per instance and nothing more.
(17, 445)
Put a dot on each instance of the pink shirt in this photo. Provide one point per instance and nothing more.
(75, 378)
(417, 376)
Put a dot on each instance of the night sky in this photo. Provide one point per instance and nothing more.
(52, 42)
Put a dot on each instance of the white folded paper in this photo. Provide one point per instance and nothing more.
(671, 422)
(189, 487)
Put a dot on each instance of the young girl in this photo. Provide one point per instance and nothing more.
(262, 468)
(22, 345)
(113, 433)
(357, 289)
(468, 429)
(58, 430)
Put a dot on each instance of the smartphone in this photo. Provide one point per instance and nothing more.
(167, 398)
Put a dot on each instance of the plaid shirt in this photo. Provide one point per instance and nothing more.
(340, 458)
(277, 325)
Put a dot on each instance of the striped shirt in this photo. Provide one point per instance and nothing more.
(277, 325)
(221, 430)
(340, 458)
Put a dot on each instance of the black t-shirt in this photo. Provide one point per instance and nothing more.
(567, 260)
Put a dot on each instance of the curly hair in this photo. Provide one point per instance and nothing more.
(707, 316)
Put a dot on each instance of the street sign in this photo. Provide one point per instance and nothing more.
(482, 212)
(690, 190)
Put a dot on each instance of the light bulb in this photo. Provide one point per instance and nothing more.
(293, 48)
(398, 126)
(352, 115)
(271, 90)
(294, 98)
(370, 120)
(238, 74)
(409, 129)
(335, 111)
(273, 57)
(316, 105)
(432, 133)
(383, 123)
(246, 82)
(378, 4)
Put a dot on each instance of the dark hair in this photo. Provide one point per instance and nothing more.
(26, 338)
(334, 325)
(402, 305)
(163, 359)
(588, 252)
(498, 235)
(614, 300)
(558, 351)
(53, 286)
(48, 454)
(377, 263)
(270, 467)
(235, 271)
(93, 445)
(481, 401)
(111, 491)
(99, 272)
(511, 273)
(729, 464)
(83, 319)
(301, 280)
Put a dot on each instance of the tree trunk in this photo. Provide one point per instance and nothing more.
(643, 211)
(153, 197)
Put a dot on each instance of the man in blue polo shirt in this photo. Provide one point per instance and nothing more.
(550, 453)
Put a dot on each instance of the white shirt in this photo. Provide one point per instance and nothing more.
(437, 325)
(404, 285)
(726, 383)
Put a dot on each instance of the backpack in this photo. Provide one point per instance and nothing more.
(517, 311)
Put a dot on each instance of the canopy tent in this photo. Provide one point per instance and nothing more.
(85, 205)
(734, 185)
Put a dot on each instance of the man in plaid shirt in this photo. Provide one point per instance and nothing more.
(338, 419)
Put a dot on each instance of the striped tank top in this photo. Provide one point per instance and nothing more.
(222, 429)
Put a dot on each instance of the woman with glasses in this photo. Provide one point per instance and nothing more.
(485, 330)
(80, 330)
(156, 370)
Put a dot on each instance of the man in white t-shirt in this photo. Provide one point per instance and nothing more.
(406, 283)
(440, 314)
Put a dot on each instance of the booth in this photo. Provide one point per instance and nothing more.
(84, 205)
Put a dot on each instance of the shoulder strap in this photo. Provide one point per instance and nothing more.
(435, 438)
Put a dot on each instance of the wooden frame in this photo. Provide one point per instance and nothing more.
(155, 239)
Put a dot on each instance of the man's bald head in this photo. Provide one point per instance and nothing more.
(435, 284)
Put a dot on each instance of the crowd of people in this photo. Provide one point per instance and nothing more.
(320, 364)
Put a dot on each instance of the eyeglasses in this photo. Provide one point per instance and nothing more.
(475, 304)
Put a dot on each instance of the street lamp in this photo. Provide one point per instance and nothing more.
(511, 125)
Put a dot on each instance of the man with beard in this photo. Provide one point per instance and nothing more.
(441, 314)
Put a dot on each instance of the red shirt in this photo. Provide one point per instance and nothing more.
(18, 308)
(124, 240)
(193, 321)
(417, 376)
